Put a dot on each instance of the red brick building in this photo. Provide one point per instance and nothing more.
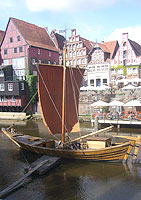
(23, 46)
(26, 44)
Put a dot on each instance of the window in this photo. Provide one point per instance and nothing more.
(125, 62)
(1, 73)
(6, 62)
(3, 99)
(84, 61)
(15, 50)
(20, 49)
(5, 51)
(125, 54)
(113, 71)
(50, 54)
(98, 68)
(135, 70)
(33, 61)
(48, 62)
(92, 82)
(39, 51)
(11, 39)
(2, 88)
(120, 71)
(13, 99)
(106, 68)
(22, 86)
(10, 86)
(124, 44)
(102, 68)
(105, 80)
(99, 57)
(18, 38)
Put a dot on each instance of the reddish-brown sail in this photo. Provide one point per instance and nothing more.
(50, 89)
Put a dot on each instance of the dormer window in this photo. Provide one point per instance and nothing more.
(11, 39)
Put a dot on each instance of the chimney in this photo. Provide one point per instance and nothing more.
(73, 32)
(124, 37)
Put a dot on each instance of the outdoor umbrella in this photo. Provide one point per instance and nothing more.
(133, 103)
(129, 87)
(99, 104)
(116, 103)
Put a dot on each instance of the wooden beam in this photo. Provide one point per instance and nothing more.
(93, 133)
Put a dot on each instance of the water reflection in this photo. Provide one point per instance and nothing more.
(72, 180)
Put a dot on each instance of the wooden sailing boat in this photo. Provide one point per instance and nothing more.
(58, 89)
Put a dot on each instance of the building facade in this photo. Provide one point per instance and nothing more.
(1, 37)
(98, 73)
(24, 45)
(59, 41)
(127, 60)
(13, 93)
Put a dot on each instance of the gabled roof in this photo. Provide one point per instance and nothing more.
(136, 47)
(108, 47)
(59, 39)
(1, 35)
(104, 47)
(34, 35)
(112, 46)
(88, 44)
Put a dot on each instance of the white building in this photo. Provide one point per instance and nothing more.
(98, 73)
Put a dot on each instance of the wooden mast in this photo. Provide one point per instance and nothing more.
(63, 97)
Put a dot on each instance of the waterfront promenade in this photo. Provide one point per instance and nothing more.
(117, 122)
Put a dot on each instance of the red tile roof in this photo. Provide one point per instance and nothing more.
(34, 35)
(112, 47)
(88, 44)
(1, 35)
(104, 47)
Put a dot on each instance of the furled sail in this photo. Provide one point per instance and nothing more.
(50, 90)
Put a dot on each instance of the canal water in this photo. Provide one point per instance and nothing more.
(72, 180)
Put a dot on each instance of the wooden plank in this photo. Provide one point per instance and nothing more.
(19, 182)
(135, 153)
(132, 143)
(51, 163)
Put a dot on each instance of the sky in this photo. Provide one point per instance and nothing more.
(95, 20)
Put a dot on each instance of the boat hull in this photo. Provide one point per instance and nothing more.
(114, 153)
